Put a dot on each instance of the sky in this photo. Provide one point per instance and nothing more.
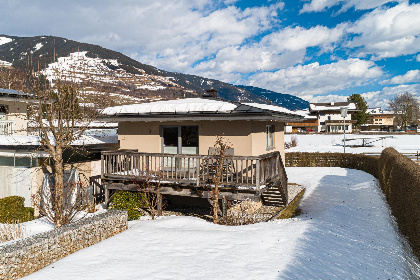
(319, 50)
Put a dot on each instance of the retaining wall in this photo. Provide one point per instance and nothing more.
(33, 253)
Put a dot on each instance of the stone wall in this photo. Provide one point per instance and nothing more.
(33, 253)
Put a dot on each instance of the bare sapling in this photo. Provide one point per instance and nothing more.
(150, 186)
(221, 145)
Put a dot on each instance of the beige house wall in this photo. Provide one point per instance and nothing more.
(18, 114)
(248, 138)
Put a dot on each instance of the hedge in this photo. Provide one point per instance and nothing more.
(12, 210)
(399, 178)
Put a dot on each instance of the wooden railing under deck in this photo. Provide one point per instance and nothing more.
(237, 171)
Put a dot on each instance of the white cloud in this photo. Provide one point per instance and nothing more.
(381, 98)
(277, 50)
(191, 37)
(297, 38)
(418, 57)
(168, 34)
(388, 32)
(409, 77)
(322, 5)
(312, 79)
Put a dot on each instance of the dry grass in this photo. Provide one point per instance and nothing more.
(11, 231)
(292, 210)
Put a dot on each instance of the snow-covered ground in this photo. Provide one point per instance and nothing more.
(334, 143)
(345, 231)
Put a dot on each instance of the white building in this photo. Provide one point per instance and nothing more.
(329, 116)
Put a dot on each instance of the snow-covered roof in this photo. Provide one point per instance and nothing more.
(205, 107)
(333, 106)
(90, 137)
(376, 111)
(14, 93)
(273, 108)
(94, 124)
(187, 105)
(306, 114)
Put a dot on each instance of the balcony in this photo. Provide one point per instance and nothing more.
(241, 177)
(6, 127)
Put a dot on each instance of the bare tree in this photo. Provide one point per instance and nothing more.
(406, 109)
(60, 120)
(11, 78)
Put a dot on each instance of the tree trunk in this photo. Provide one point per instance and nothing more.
(59, 206)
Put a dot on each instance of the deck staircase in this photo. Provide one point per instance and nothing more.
(274, 195)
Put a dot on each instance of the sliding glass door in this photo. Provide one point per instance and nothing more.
(180, 139)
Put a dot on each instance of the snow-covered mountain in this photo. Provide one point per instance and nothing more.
(118, 74)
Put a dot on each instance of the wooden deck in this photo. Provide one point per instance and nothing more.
(243, 177)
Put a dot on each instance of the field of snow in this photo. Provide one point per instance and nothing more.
(334, 143)
(345, 231)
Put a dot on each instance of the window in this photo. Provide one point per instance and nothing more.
(269, 137)
(180, 139)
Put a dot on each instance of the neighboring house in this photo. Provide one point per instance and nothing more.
(309, 124)
(13, 111)
(22, 157)
(174, 140)
(329, 116)
(324, 117)
(380, 120)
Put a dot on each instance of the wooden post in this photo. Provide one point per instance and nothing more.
(159, 202)
(224, 208)
(257, 175)
(102, 165)
(106, 195)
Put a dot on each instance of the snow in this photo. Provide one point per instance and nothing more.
(378, 111)
(314, 107)
(5, 63)
(5, 40)
(38, 47)
(273, 108)
(78, 67)
(334, 143)
(186, 105)
(345, 231)
(90, 137)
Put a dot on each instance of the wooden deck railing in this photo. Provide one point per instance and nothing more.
(237, 171)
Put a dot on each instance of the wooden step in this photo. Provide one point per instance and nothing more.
(273, 196)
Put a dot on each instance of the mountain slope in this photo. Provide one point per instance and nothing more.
(288, 101)
(121, 74)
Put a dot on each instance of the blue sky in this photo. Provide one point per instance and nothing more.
(319, 50)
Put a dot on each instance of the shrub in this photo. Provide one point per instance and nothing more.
(399, 178)
(12, 210)
(130, 201)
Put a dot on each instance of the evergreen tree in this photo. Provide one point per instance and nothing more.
(361, 116)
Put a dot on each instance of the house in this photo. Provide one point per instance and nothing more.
(173, 141)
(329, 116)
(380, 120)
(23, 159)
(308, 125)
(324, 117)
(13, 111)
